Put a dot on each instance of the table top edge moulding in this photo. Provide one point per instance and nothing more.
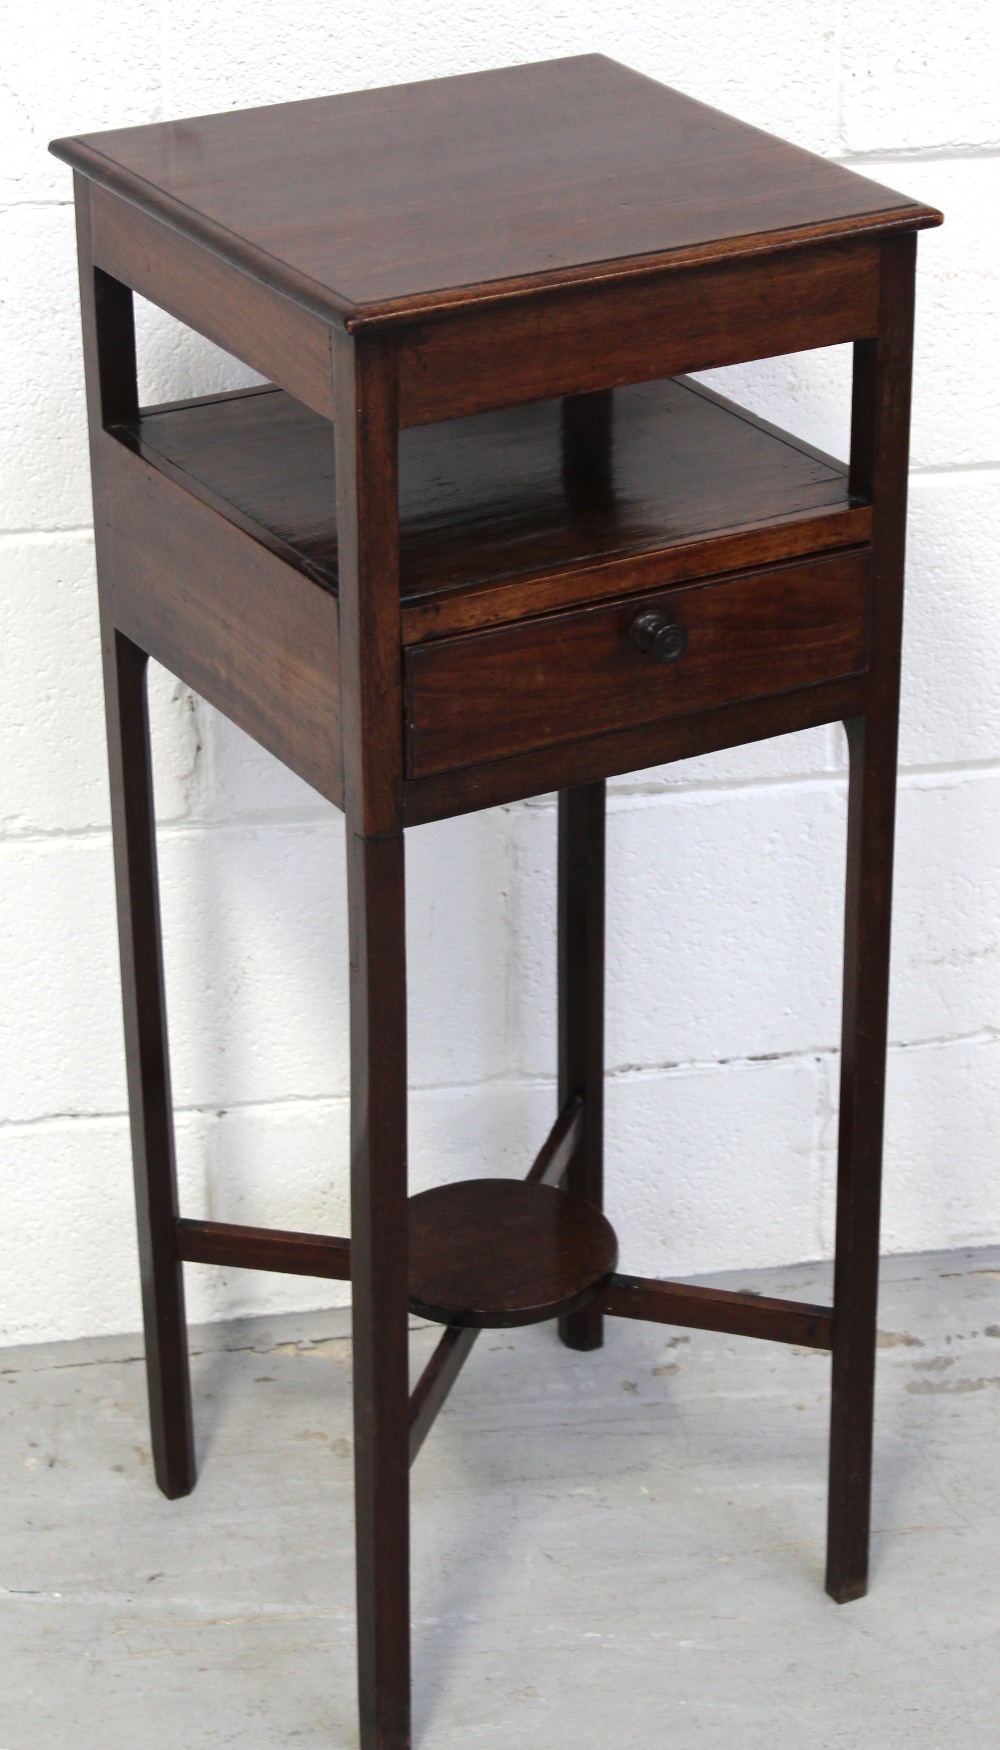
(385, 163)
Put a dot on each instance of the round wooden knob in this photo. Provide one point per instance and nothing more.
(664, 640)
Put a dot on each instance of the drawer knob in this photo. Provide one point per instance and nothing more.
(662, 638)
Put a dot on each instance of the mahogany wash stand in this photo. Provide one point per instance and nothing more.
(476, 540)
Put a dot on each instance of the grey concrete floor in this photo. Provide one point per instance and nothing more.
(620, 1548)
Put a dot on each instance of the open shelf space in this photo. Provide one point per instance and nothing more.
(509, 514)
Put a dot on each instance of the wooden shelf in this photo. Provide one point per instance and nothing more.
(505, 515)
(500, 1252)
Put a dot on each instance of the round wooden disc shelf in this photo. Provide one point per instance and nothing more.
(500, 1252)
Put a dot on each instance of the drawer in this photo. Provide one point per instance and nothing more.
(566, 676)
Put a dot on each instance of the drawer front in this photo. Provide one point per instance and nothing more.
(571, 675)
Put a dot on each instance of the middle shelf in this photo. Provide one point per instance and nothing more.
(539, 507)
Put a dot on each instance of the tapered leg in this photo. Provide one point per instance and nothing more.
(379, 1277)
(862, 1095)
(112, 394)
(367, 443)
(581, 1009)
(148, 1064)
(879, 449)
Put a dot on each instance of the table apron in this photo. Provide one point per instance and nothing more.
(600, 336)
(249, 633)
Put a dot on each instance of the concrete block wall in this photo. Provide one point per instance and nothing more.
(725, 874)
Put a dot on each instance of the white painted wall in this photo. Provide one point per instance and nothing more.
(725, 873)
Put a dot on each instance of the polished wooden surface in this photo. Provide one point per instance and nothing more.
(564, 339)
(503, 1252)
(501, 515)
(880, 451)
(591, 758)
(379, 1250)
(110, 366)
(148, 1066)
(364, 380)
(553, 1158)
(431, 1391)
(493, 694)
(580, 908)
(220, 610)
(395, 202)
(550, 235)
(274, 334)
(235, 1246)
(596, 336)
(719, 1309)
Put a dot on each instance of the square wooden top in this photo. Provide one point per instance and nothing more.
(384, 205)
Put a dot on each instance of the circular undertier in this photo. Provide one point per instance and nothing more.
(500, 1252)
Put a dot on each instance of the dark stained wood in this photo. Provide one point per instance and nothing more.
(592, 757)
(379, 1251)
(254, 637)
(580, 998)
(435, 1383)
(551, 234)
(553, 1158)
(861, 470)
(587, 447)
(719, 1309)
(183, 462)
(501, 1252)
(366, 437)
(598, 336)
(881, 444)
(109, 359)
(148, 1065)
(324, 1255)
(388, 204)
(262, 1248)
(512, 599)
(493, 694)
(500, 517)
(109, 306)
(269, 331)
(431, 1390)
(367, 452)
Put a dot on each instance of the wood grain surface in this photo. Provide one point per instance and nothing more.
(502, 514)
(501, 1252)
(493, 694)
(387, 204)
